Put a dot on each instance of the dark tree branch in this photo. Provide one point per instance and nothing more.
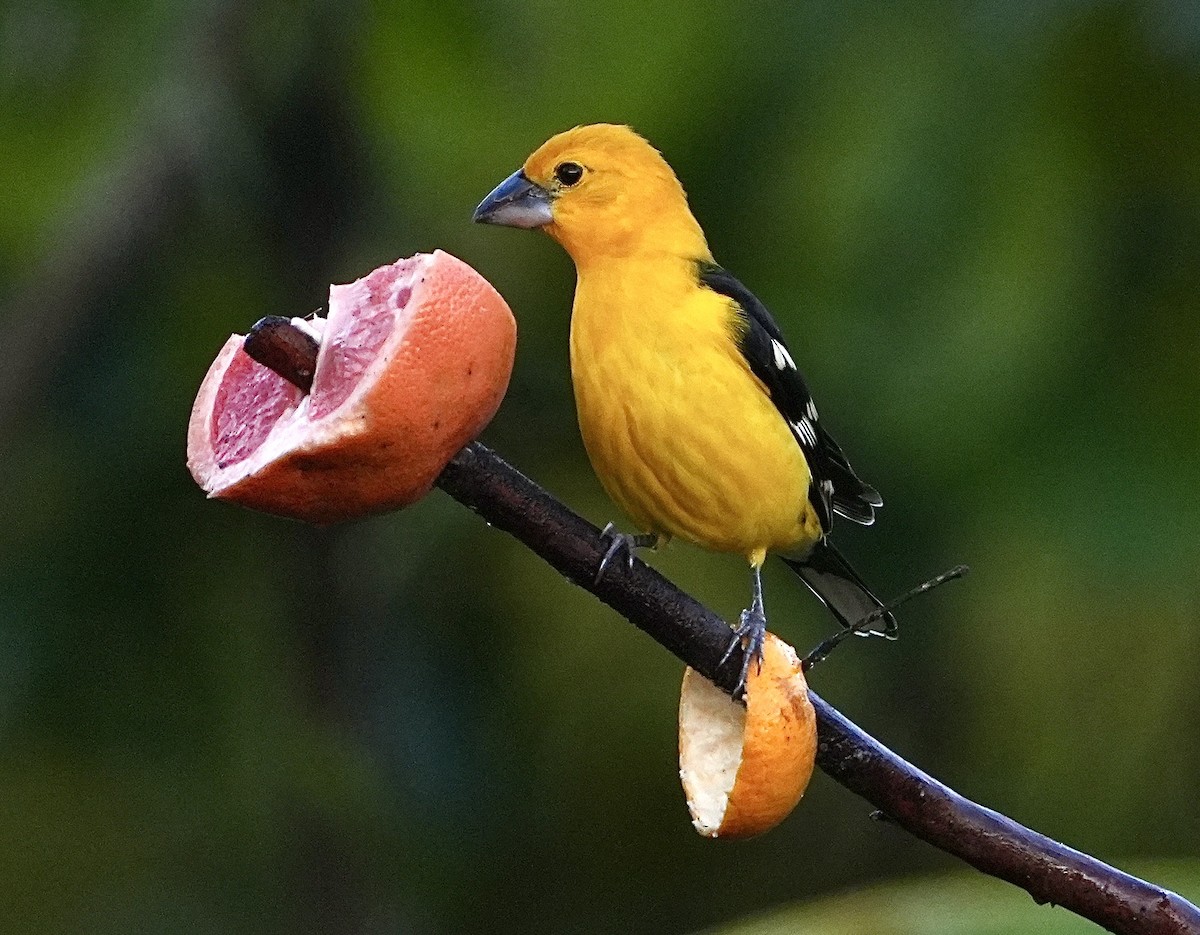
(478, 478)
(987, 840)
(1050, 872)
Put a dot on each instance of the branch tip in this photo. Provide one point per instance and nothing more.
(290, 351)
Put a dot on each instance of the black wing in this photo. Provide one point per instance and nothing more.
(835, 487)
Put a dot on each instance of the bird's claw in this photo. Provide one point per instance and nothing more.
(750, 634)
(620, 542)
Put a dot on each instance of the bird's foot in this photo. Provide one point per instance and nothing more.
(751, 633)
(619, 542)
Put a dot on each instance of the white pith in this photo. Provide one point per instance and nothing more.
(711, 730)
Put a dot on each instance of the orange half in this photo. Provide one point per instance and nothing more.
(744, 767)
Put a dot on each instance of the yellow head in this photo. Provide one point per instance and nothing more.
(602, 192)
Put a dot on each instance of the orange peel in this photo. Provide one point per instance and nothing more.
(744, 767)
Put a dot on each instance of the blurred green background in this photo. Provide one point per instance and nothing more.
(979, 224)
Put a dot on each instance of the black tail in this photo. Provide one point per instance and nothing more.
(838, 586)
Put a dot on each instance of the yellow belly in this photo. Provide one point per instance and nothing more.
(681, 434)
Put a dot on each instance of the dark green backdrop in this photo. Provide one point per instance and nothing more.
(978, 223)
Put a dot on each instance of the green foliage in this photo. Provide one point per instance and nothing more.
(978, 226)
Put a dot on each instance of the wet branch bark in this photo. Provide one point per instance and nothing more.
(1049, 871)
(478, 478)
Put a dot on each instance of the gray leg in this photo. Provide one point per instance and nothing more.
(752, 629)
(622, 542)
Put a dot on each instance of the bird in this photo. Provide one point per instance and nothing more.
(693, 411)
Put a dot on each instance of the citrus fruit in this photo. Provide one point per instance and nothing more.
(413, 361)
(744, 767)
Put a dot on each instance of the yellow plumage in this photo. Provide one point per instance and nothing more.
(692, 410)
(681, 434)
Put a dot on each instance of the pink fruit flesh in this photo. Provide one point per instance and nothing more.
(250, 401)
(252, 398)
(351, 344)
(350, 353)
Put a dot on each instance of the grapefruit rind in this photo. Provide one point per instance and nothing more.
(429, 387)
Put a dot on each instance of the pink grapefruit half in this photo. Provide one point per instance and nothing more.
(414, 360)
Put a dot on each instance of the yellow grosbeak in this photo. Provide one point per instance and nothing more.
(693, 411)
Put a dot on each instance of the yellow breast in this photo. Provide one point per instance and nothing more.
(681, 434)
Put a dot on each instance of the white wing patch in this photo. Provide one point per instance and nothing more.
(810, 410)
(805, 431)
(783, 360)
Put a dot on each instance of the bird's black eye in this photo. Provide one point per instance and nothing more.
(568, 173)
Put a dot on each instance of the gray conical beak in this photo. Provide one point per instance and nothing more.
(515, 202)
